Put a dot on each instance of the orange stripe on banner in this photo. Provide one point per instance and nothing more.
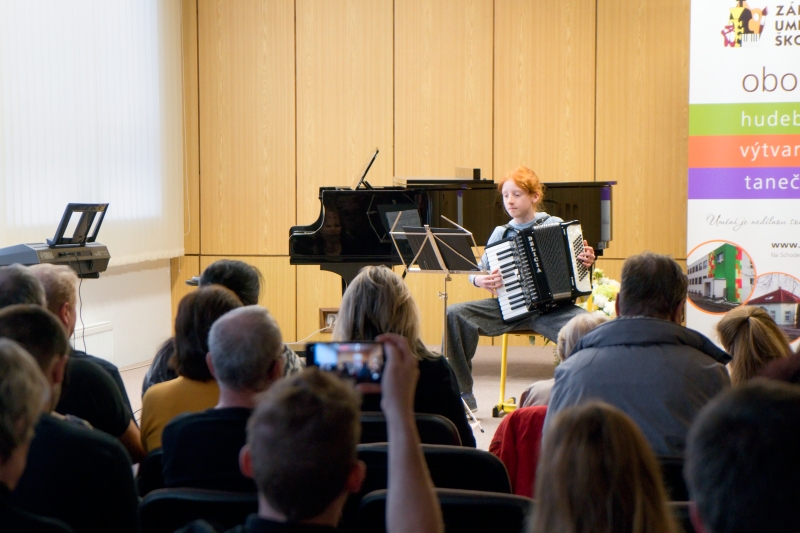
(734, 151)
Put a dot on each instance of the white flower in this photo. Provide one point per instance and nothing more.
(600, 313)
(614, 283)
(600, 301)
(609, 308)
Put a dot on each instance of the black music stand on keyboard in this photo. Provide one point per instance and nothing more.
(443, 251)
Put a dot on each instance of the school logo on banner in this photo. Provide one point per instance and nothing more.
(745, 25)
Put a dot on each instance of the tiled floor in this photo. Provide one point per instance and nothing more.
(525, 365)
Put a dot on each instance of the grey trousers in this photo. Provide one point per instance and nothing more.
(467, 321)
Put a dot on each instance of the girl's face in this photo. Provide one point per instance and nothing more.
(518, 202)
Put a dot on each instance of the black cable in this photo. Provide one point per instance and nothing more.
(80, 305)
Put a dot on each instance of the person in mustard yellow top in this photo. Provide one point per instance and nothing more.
(195, 388)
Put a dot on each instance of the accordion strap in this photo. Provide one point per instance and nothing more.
(509, 227)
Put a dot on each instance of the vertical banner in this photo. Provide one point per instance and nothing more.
(743, 231)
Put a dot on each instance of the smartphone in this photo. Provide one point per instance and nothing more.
(359, 362)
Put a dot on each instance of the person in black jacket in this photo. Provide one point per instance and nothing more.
(23, 395)
(378, 301)
(75, 474)
(92, 389)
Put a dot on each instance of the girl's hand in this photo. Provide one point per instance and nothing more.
(491, 282)
(587, 257)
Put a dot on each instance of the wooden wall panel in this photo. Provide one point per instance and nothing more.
(544, 83)
(642, 122)
(191, 184)
(247, 126)
(278, 290)
(344, 96)
(181, 269)
(443, 86)
(315, 289)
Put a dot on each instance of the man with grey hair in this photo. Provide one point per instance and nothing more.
(645, 362)
(93, 389)
(201, 450)
(23, 396)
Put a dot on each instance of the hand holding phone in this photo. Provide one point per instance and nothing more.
(359, 362)
(400, 377)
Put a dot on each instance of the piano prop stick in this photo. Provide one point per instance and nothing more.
(80, 251)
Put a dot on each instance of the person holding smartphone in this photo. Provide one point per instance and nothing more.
(378, 301)
(301, 451)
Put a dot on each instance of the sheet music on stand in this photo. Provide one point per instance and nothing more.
(442, 251)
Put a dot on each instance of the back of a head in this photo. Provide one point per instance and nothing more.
(245, 344)
(59, 282)
(377, 301)
(302, 437)
(597, 474)
(753, 339)
(23, 394)
(19, 286)
(243, 279)
(574, 330)
(37, 330)
(197, 312)
(652, 285)
(742, 461)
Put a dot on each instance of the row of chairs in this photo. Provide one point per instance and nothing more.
(433, 429)
(165, 510)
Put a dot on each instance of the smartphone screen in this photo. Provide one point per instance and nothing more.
(360, 362)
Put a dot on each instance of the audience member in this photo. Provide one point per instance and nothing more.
(378, 301)
(23, 396)
(645, 362)
(19, 286)
(194, 389)
(76, 474)
(87, 392)
(301, 451)
(753, 339)
(245, 281)
(742, 464)
(539, 392)
(597, 474)
(201, 450)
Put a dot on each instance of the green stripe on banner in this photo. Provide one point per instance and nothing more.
(744, 119)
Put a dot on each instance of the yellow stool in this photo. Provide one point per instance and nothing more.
(506, 405)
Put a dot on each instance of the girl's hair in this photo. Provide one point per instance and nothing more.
(378, 301)
(597, 474)
(574, 330)
(526, 179)
(197, 312)
(753, 339)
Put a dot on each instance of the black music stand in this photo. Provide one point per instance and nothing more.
(442, 251)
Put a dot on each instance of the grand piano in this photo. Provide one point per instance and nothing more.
(353, 226)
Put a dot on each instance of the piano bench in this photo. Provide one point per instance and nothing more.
(507, 405)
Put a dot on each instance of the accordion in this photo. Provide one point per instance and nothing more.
(540, 269)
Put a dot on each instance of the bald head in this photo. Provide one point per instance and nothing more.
(245, 344)
(19, 286)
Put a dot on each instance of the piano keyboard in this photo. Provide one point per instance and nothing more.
(750, 39)
(511, 296)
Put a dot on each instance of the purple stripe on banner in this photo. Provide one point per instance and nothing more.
(744, 183)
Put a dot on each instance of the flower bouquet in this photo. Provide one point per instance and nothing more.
(604, 295)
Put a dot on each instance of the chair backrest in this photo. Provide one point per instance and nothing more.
(451, 467)
(462, 510)
(433, 429)
(150, 476)
(165, 510)
(672, 474)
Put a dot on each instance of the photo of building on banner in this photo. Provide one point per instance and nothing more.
(743, 219)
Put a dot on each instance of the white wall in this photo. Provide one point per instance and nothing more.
(137, 300)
